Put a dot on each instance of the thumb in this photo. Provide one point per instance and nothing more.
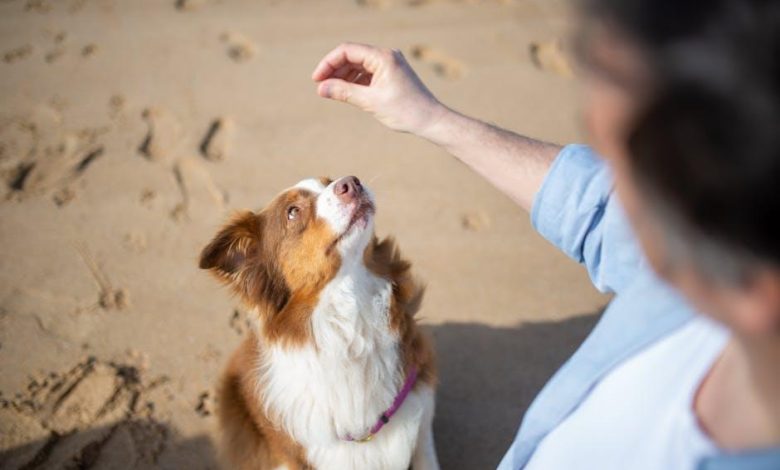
(341, 90)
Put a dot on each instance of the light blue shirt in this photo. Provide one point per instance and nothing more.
(576, 212)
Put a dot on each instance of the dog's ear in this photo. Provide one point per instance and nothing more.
(228, 253)
(235, 256)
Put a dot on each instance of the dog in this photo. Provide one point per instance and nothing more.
(335, 373)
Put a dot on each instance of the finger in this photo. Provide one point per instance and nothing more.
(353, 75)
(368, 57)
(364, 79)
(342, 71)
(341, 90)
(336, 64)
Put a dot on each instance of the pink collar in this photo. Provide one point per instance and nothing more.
(411, 379)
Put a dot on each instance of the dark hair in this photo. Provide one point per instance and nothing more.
(707, 141)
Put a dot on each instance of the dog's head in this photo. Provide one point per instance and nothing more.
(296, 244)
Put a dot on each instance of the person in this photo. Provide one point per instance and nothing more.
(674, 207)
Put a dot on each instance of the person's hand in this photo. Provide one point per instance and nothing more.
(381, 82)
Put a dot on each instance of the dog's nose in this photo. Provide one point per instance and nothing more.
(348, 188)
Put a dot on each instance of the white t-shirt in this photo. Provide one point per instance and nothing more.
(640, 415)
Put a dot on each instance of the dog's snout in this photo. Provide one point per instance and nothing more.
(348, 188)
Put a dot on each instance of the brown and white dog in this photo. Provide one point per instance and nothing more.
(336, 374)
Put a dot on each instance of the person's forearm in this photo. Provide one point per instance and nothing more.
(514, 164)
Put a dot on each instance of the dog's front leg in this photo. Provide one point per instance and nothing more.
(424, 457)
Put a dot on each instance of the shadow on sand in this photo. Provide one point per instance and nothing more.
(127, 445)
(488, 377)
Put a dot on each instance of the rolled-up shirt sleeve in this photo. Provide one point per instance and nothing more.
(575, 211)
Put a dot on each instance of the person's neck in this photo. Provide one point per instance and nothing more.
(738, 403)
(762, 356)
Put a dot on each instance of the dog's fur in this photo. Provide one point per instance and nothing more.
(334, 337)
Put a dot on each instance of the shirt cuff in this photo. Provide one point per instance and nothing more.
(576, 185)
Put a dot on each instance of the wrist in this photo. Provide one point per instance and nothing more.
(436, 127)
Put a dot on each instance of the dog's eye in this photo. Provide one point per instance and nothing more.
(292, 213)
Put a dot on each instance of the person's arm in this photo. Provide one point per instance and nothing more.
(381, 82)
(511, 162)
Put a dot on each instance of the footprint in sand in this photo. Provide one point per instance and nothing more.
(54, 55)
(57, 166)
(443, 65)
(374, 3)
(199, 195)
(86, 417)
(239, 321)
(476, 221)
(147, 197)
(39, 155)
(163, 135)
(206, 404)
(89, 50)
(64, 195)
(38, 6)
(188, 5)
(17, 53)
(17, 140)
(239, 48)
(59, 49)
(551, 56)
(217, 142)
(109, 298)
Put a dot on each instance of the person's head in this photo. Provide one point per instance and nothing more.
(683, 101)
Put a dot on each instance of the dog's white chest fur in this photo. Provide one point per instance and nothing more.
(339, 386)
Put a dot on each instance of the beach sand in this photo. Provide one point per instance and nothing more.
(129, 130)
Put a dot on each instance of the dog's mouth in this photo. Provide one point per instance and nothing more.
(359, 220)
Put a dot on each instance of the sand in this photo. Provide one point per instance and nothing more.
(129, 130)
